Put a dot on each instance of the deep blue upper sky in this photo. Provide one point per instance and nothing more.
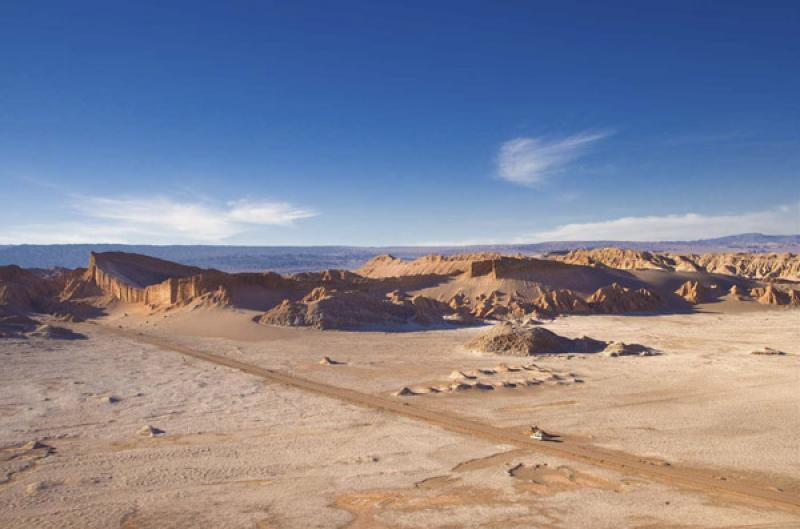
(397, 123)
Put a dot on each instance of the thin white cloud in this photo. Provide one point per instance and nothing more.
(783, 219)
(275, 213)
(529, 161)
(155, 220)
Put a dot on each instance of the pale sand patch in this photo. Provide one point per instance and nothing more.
(239, 452)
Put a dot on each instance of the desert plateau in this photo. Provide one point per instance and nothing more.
(139, 392)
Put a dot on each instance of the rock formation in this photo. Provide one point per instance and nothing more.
(433, 290)
(772, 295)
(561, 301)
(746, 265)
(520, 340)
(736, 293)
(752, 265)
(352, 309)
(693, 292)
(624, 259)
(615, 299)
(390, 266)
(627, 349)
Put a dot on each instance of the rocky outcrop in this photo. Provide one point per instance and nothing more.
(24, 293)
(752, 265)
(429, 311)
(430, 291)
(524, 340)
(561, 301)
(794, 298)
(693, 292)
(771, 295)
(134, 278)
(345, 311)
(517, 340)
(141, 279)
(736, 293)
(390, 266)
(746, 265)
(624, 259)
(616, 299)
(23, 289)
(324, 309)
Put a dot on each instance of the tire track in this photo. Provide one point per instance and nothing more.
(702, 480)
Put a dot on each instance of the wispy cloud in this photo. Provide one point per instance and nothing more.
(780, 220)
(156, 219)
(529, 161)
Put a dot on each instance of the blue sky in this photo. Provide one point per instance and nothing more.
(376, 123)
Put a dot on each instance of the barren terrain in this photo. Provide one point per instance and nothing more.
(197, 415)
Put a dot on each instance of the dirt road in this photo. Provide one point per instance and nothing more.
(704, 480)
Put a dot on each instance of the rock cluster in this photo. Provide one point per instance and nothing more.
(429, 291)
(525, 340)
(771, 295)
(693, 292)
(746, 265)
(351, 309)
(615, 299)
(500, 377)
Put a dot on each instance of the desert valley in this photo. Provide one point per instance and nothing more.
(400, 265)
(138, 392)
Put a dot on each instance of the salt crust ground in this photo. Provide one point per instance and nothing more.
(239, 452)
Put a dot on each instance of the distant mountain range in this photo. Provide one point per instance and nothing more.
(286, 259)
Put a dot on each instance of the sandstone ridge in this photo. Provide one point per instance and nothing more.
(388, 292)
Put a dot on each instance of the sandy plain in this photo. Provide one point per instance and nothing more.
(243, 451)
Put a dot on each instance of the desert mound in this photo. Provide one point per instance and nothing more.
(523, 340)
(518, 340)
(491, 286)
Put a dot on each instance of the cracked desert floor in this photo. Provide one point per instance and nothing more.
(716, 425)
